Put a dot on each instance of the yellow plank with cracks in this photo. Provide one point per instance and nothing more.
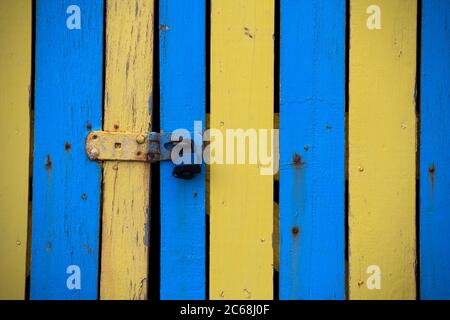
(128, 101)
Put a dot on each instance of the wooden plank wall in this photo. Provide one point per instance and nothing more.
(128, 107)
(312, 181)
(15, 66)
(182, 101)
(385, 148)
(382, 150)
(435, 151)
(66, 185)
(241, 199)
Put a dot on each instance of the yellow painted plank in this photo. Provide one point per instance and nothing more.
(241, 203)
(128, 100)
(382, 149)
(15, 76)
(276, 208)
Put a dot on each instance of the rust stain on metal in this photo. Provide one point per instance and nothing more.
(102, 145)
(67, 146)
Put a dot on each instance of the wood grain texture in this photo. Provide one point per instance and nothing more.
(435, 151)
(128, 107)
(66, 185)
(241, 221)
(382, 149)
(182, 101)
(312, 181)
(15, 66)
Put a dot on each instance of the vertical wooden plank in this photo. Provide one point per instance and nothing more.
(312, 182)
(434, 152)
(382, 148)
(242, 60)
(182, 82)
(15, 63)
(128, 107)
(66, 185)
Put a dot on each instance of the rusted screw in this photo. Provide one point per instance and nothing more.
(94, 153)
(360, 169)
(297, 160)
(140, 139)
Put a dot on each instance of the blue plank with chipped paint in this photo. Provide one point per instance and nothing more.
(182, 82)
(66, 185)
(435, 151)
(312, 185)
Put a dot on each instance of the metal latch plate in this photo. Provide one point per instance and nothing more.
(124, 146)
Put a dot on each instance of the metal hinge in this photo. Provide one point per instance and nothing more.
(123, 146)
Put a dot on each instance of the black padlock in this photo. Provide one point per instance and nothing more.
(186, 171)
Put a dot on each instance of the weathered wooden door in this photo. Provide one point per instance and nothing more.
(338, 190)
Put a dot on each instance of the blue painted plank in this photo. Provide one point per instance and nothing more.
(182, 83)
(66, 185)
(435, 151)
(312, 185)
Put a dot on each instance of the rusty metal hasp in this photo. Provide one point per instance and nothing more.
(151, 147)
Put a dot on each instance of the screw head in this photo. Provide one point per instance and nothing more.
(360, 169)
(94, 153)
(140, 139)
